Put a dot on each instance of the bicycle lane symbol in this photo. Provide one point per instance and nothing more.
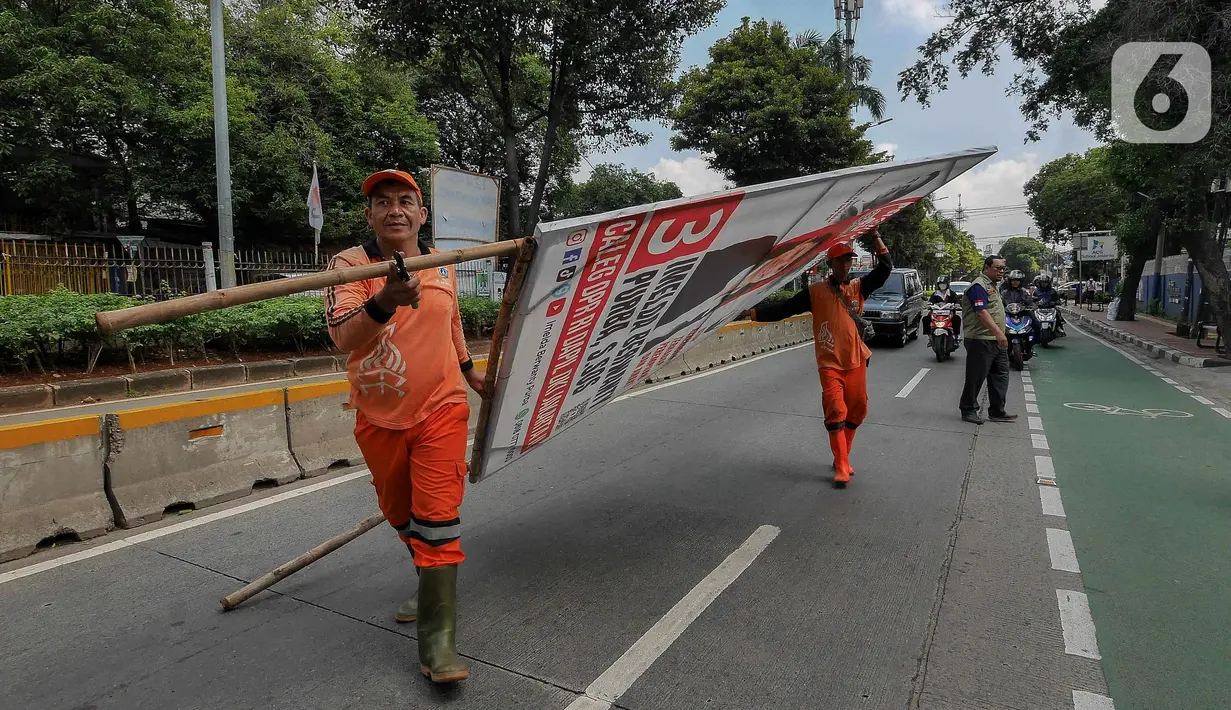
(1125, 411)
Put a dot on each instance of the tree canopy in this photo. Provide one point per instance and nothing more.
(1075, 193)
(767, 108)
(613, 187)
(106, 114)
(1025, 254)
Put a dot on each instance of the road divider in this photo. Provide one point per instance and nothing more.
(70, 479)
(321, 426)
(195, 454)
(51, 484)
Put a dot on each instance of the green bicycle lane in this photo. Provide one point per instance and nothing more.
(1148, 503)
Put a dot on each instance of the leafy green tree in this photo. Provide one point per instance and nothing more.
(1074, 193)
(1025, 254)
(1066, 51)
(766, 108)
(832, 54)
(591, 66)
(84, 87)
(613, 187)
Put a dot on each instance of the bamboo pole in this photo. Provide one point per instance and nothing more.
(525, 255)
(268, 579)
(110, 322)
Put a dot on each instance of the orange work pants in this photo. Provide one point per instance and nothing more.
(844, 397)
(419, 475)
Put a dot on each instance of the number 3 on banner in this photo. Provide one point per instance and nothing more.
(683, 230)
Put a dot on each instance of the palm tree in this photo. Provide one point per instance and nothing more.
(832, 55)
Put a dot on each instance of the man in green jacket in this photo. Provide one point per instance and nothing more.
(987, 355)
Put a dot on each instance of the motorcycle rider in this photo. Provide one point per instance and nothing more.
(944, 294)
(1046, 296)
(1014, 291)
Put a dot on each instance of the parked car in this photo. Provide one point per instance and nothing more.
(959, 287)
(895, 310)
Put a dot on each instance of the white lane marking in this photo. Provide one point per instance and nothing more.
(1223, 412)
(139, 538)
(1026, 380)
(1105, 344)
(1133, 359)
(1156, 373)
(1028, 388)
(1060, 547)
(1183, 389)
(1077, 624)
(1036, 423)
(1043, 467)
(1170, 381)
(1149, 369)
(1032, 408)
(1203, 400)
(707, 373)
(171, 529)
(1091, 701)
(1039, 441)
(914, 382)
(617, 679)
(1049, 498)
(1032, 397)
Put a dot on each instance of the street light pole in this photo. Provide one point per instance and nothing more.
(847, 13)
(222, 147)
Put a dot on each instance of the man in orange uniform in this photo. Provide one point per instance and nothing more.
(408, 368)
(841, 355)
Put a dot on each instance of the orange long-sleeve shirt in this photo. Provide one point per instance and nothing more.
(402, 365)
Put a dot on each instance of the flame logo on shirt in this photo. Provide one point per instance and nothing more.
(383, 370)
(824, 339)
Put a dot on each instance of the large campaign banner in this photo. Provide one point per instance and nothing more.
(612, 297)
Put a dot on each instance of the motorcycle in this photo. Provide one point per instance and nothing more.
(1019, 329)
(1049, 325)
(944, 339)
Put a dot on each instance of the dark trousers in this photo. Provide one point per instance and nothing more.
(985, 361)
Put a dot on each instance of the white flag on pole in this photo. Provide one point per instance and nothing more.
(316, 214)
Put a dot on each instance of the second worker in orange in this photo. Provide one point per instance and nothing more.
(841, 355)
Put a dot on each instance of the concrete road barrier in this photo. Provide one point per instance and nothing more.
(321, 426)
(196, 453)
(735, 342)
(51, 484)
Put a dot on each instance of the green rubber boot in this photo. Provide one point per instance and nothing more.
(437, 629)
(409, 611)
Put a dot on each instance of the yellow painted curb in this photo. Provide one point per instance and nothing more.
(149, 416)
(15, 436)
(298, 393)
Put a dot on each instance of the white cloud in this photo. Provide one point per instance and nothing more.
(692, 175)
(922, 14)
(890, 148)
(992, 185)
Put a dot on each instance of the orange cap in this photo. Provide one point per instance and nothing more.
(395, 175)
(839, 251)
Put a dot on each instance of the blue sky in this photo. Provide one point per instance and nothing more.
(974, 112)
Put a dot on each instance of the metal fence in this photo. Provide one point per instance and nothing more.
(29, 266)
(36, 266)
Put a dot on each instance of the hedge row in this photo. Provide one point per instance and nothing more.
(59, 327)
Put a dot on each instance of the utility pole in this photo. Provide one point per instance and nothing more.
(847, 13)
(959, 214)
(222, 147)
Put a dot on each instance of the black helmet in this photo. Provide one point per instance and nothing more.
(1016, 275)
(942, 281)
(1044, 281)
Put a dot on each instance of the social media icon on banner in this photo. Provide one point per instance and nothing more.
(555, 308)
(566, 274)
(572, 256)
(578, 237)
(522, 413)
(562, 290)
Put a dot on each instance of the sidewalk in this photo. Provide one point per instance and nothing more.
(1157, 337)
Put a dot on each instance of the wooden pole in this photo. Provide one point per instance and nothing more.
(110, 322)
(268, 579)
(512, 290)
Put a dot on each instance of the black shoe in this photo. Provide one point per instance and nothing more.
(973, 418)
(1007, 418)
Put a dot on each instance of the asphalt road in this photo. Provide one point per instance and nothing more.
(682, 547)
